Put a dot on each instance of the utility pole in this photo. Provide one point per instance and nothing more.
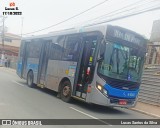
(3, 35)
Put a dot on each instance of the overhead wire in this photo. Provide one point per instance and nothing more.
(118, 9)
(68, 18)
(123, 11)
(107, 15)
(126, 16)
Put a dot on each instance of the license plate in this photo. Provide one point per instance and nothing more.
(122, 102)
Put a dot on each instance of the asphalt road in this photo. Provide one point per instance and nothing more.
(18, 101)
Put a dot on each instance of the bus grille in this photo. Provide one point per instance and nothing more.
(125, 85)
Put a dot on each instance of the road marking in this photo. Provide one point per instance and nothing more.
(151, 114)
(17, 83)
(90, 116)
(83, 113)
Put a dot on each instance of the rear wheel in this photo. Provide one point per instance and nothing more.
(30, 78)
(65, 92)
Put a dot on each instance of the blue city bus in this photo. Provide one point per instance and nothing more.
(100, 64)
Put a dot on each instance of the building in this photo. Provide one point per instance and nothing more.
(11, 44)
(9, 50)
(153, 54)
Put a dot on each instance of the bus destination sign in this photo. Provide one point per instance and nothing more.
(126, 36)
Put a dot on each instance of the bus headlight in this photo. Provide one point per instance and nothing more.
(101, 89)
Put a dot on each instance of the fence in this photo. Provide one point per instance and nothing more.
(150, 87)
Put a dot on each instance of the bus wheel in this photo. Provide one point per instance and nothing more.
(30, 78)
(65, 92)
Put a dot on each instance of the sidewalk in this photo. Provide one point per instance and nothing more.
(8, 69)
(148, 109)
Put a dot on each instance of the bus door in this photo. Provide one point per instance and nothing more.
(43, 62)
(86, 68)
(24, 58)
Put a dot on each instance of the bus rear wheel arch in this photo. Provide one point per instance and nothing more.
(30, 79)
(65, 91)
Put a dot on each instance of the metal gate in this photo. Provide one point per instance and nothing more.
(150, 86)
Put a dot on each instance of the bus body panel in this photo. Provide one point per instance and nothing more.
(98, 97)
(32, 64)
(52, 79)
(57, 70)
(19, 62)
(120, 93)
(19, 67)
(113, 94)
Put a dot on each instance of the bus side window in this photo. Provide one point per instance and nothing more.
(55, 52)
(71, 45)
(56, 48)
(34, 49)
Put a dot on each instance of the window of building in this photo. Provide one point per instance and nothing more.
(8, 40)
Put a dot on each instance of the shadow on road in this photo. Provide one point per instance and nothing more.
(98, 108)
(89, 107)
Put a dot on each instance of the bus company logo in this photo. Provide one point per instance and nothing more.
(12, 9)
(125, 88)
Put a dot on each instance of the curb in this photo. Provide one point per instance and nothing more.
(144, 112)
(8, 69)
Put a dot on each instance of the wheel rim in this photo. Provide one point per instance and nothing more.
(66, 91)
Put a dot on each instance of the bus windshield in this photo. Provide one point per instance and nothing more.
(121, 62)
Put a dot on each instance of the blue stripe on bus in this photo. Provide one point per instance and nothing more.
(34, 67)
(114, 92)
(19, 67)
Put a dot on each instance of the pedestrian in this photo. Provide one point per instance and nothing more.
(5, 62)
(8, 63)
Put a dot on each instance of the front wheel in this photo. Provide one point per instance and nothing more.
(65, 92)
(30, 78)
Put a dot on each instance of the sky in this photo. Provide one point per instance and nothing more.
(39, 14)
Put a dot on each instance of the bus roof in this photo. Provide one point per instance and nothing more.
(82, 29)
(101, 28)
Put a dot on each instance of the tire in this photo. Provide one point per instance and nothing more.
(65, 92)
(30, 78)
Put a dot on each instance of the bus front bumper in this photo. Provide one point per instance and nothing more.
(111, 101)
